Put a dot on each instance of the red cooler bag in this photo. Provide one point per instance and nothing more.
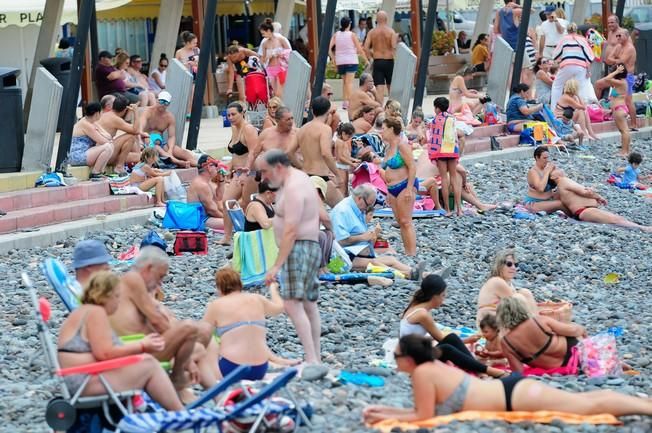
(190, 242)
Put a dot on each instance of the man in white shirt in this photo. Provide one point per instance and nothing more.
(551, 32)
(361, 30)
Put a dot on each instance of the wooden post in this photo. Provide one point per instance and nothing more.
(415, 24)
(606, 11)
(313, 43)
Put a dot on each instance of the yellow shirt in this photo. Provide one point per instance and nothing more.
(479, 55)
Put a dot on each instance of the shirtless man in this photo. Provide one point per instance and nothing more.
(612, 42)
(126, 146)
(380, 46)
(315, 140)
(333, 119)
(583, 203)
(296, 226)
(624, 52)
(107, 103)
(282, 136)
(156, 120)
(364, 96)
(203, 190)
(140, 313)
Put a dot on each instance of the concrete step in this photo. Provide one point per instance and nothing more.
(70, 211)
(186, 175)
(37, 197)
(26, 179)
(488, 130)
(482, 144)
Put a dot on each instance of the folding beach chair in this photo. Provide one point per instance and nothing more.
(61, 411)
(67, 287)
(259, 404)
(555, 125)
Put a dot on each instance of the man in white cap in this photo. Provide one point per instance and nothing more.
(155, 121)
(551, 32)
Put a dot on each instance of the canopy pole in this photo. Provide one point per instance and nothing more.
(312, 23)
(324, 40)
(202, 70)
(422, 75)
(415, 24)
(520, 45)
(71, 91)
(620, 9)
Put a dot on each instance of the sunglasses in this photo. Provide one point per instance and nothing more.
(162, 66)
(330, 94)
(164, 102)
(273, 107)
(370, 207)
(510, 264)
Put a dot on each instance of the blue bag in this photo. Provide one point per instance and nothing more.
(152, 238)
(184, 216)
(527, 137)
(50, 179)
(236, 215)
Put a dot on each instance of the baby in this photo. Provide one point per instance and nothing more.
(489, 330)
(632, 173)
(568, 130)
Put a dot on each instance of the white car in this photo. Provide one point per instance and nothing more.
(458, 22)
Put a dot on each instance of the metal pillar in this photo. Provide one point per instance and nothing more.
(324, 40)
(319, 17)
(485, 15)
(69, 103)
(389, 6)
(165, 38)
(520, 45)
(415, 24)
(422, 75)
(202, 70)
(283, 15)
(47, 36)
(95, 50)
(606, 11)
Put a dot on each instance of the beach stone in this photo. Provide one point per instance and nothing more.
(314, 372)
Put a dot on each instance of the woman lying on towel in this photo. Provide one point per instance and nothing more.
(442, 390)
(500, 285)
(86, 337)
(540, 341)
(239, 320)
(416, 319)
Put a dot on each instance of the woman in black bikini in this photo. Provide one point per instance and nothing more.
(260, 211)
(243, 183)
(540, 341)
(440, 389)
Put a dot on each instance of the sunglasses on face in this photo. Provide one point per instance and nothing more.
(162, 66)
(370, 207)
(329, 94)
(510, 264)
(163, 102)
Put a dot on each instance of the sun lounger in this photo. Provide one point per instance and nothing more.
(260, 404)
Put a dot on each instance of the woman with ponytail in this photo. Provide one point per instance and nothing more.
(416, 319)
(440, 389)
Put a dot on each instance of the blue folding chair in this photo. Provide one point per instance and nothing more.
(67, 287)
(199, 419)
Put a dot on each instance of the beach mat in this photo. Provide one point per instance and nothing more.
(387, 213)
(540, 417)
(353, 277)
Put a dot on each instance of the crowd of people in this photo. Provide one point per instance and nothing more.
(301, 183)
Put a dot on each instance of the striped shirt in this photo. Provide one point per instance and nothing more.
(530, 52)
(573, 50)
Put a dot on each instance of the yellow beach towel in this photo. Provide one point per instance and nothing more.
(541, 417)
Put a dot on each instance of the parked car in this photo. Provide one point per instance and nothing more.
(640, 14)
(459, 22)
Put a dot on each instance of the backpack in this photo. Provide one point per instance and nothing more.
(527, 137)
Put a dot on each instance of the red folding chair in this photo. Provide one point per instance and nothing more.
(61, 411)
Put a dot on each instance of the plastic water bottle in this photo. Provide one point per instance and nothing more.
(139, 403)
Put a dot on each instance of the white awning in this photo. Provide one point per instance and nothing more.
(25, 12)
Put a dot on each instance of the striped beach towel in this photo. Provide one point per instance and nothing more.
(253, 254)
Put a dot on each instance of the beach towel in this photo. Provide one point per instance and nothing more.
(540, 417)
(353, 277)
(465, 115)
(122, 186)
(596, 40)
(253, 254)
(570, 369)
(617, 181)
(442, 137)
(368, 172)
(387, 213)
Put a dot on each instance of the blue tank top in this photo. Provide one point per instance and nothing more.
(508, 30)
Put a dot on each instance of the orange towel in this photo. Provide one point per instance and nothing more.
(542, 417)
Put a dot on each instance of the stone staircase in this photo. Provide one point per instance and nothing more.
(31, 208)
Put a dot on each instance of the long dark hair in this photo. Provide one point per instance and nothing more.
(419, 348)
(431, 286)
(481, 37)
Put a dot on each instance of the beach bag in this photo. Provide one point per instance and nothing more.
(184, 216)
(191, 242)
(527, 137)
(50, 179)
(599, 356)
(153, 239)
(174, 190)
(340, 261)
(561, 311)
(368, 172)
(595, 113)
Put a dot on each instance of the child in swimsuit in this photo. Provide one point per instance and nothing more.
(632, 173)
(145, 177)
(569, 130)
(343, 153)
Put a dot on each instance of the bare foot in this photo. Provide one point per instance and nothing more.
(459, 212)
(486, 207)
(159, 204)
(224, 242)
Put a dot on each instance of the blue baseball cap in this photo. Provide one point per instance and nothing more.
(549, 9)
(90, 252)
